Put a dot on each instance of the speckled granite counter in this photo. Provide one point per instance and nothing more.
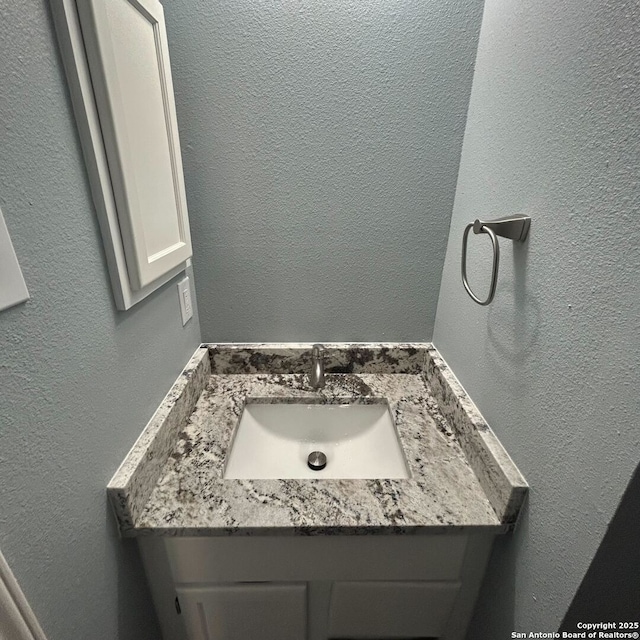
(461, 477)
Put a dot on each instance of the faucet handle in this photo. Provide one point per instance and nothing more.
(317, 350)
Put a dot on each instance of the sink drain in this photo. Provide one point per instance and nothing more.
(317, 460)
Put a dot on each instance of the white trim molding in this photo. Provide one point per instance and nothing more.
(17, 620)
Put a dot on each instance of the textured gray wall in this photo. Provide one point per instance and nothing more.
(321, 143)
(553, 362)
(78, 379)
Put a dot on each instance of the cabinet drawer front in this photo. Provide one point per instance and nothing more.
(260, 611)
(331, 558)
(391, 609)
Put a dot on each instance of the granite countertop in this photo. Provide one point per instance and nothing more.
(461, 477)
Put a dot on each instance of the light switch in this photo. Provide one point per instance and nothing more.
(13, 289)
(184, 293)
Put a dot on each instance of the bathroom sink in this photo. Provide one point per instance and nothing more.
(275, 440)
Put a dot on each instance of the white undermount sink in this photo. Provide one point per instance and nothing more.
(274, 440)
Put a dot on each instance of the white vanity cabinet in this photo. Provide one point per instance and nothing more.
(316, 587)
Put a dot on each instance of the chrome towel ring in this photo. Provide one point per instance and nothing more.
(514, 227)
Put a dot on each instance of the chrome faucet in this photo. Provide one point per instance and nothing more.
(316, 377)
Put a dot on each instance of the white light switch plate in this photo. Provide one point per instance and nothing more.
(184, 293)
(13, 289)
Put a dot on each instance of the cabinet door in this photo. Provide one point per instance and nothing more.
(126, 47)
(245, 611)
(391, 609)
